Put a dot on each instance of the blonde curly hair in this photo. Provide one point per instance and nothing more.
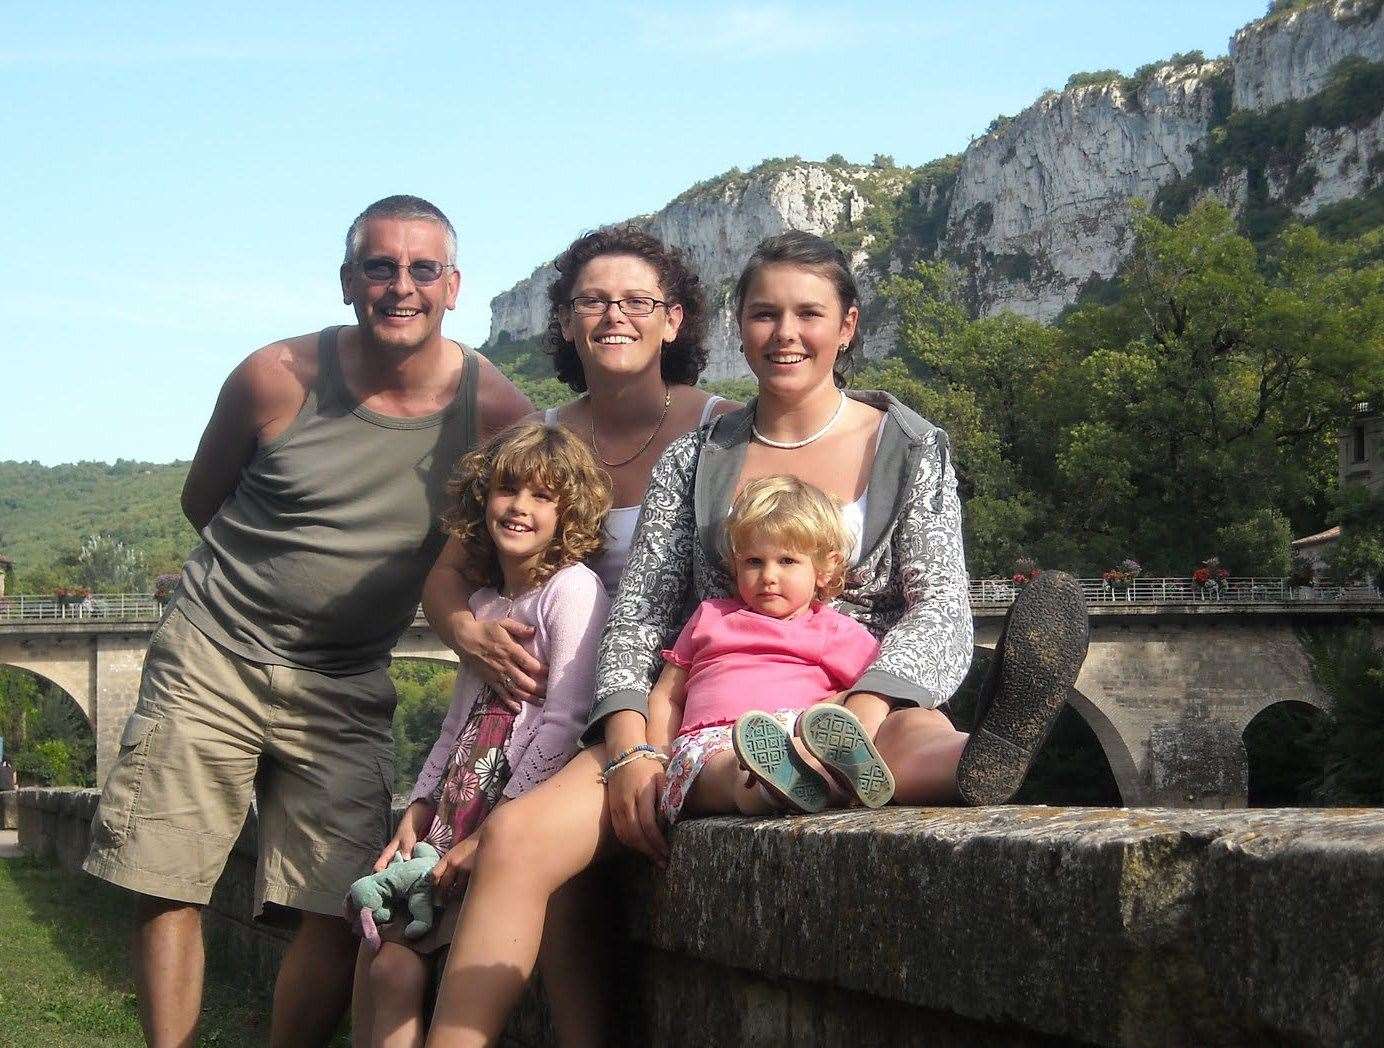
(800, 516)
(524, 453)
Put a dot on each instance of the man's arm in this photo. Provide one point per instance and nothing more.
(257, 402)
(499, 403)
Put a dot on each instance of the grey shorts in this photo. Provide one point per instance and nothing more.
(210, 732)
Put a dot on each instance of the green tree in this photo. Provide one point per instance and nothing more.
(19, 697)
(1213, 388)
(47, 763)
(1358, 555)
(425, 692)
(984, 382)
(1259, 545)
(1350, 668)
(107, 565)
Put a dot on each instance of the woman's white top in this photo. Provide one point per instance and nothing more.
(620, 522)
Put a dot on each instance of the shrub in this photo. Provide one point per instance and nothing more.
(1258, 545)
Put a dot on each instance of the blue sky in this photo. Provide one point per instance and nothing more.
(177, 183)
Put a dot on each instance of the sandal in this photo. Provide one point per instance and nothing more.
(767, 752)
(835, 736)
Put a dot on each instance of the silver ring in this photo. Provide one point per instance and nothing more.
(506, 682)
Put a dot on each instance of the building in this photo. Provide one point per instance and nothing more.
(1361, 447)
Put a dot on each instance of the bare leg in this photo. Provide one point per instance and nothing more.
(314, 983)
(574, 962)
(722, 787)
(362, 1007)
(922, 749)
(528, 849)
(397, 988)
(169, 963)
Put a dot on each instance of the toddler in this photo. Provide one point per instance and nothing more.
(779, 644)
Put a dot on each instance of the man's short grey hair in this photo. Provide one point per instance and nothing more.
(404, 208)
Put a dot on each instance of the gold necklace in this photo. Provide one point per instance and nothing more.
(667, 400)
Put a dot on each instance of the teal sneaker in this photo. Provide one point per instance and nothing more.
(836, 737)
(767, 752)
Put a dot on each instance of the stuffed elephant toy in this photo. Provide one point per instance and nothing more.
(375, 898)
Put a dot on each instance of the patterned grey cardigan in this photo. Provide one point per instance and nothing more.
(909, 588)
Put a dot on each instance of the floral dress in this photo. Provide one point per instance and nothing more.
(476, 773)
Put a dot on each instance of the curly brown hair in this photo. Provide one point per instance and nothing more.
(684, 358)
(527, 452)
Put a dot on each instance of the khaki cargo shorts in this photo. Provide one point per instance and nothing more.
(211, 730)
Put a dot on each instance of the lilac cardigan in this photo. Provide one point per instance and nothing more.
(568, 612)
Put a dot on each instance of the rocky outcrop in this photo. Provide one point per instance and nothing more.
(1346, 162)
(1290, 56)
(1041, 206)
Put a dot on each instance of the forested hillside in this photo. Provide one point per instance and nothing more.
(46, 512)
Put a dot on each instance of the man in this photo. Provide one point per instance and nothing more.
(316, 488)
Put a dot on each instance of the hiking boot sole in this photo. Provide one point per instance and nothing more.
(835, 737)
(767, 752)
(1045, 644)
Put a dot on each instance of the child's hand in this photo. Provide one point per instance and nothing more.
(451, 872)
(412, 828)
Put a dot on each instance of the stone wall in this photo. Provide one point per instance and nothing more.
(1012, 926)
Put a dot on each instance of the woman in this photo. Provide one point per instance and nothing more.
(625, 330)
(798, 312)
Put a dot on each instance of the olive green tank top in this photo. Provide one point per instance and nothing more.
(317, 559)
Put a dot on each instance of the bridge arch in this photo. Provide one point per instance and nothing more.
(1112, 744)
(72, 680)
(1281, 760)
(58, 716)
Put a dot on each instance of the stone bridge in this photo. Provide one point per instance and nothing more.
(1167, 690)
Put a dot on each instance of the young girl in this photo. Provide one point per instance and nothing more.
(529, 507)
(787, 548)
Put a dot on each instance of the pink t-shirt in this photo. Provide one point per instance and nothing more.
(738, 660)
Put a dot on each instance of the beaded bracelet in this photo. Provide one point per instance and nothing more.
(629, 756)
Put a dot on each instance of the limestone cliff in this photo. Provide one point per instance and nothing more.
(1041, 205)
(1037, 208)
(1289, 56)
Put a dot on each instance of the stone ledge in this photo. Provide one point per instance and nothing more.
(1104, 925)
(1015, 925)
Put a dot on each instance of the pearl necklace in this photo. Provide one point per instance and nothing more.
(789, 445)
(667, 400)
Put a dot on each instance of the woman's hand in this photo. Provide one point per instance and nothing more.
(413, 826)
(450, 874)
(494, 651)
(631, 796)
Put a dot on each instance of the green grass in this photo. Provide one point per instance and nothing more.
(67, 982)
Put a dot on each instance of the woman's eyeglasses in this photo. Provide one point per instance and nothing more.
(591, 306)
(386, 270)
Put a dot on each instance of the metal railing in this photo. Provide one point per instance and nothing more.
(985, 593)
(1181, 591)
(121, 607)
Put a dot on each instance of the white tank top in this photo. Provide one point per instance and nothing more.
(621, 520)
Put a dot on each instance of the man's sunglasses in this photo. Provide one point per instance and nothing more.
(386, 270)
